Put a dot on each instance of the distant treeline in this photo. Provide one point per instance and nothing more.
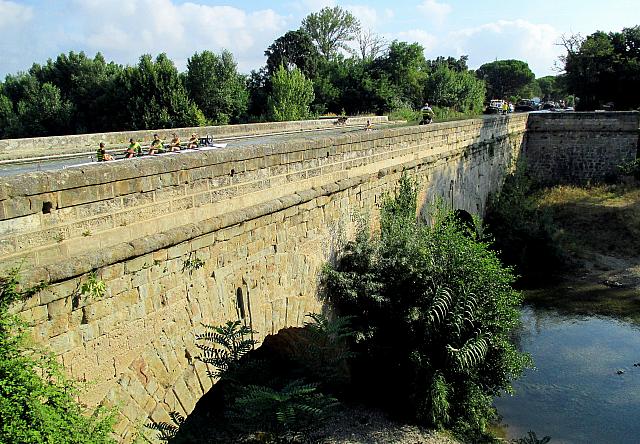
(310, 71)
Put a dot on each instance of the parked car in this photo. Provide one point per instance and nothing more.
(495, 107)
(526, 105)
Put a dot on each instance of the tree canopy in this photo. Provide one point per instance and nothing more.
(295, 49)
(331, 29)
(291, 95)
(604, 68)
(216, 87)
(505, 78)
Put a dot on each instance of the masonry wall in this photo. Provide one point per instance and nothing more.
(262, 219)
(579, 147)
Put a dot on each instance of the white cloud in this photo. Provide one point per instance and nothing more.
(434, 11)
(125, 29)
(428, 41)
(367, 15)
(13, 14)
(508, 39)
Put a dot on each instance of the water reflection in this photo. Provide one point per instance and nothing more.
(575, 393)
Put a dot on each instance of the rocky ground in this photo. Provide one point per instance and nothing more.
(360, 425)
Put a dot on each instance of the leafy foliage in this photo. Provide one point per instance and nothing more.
(324, 350)
(192, 263)
(168, 431)
(505, 78)
(276, 401)
(331, 29)
(37, 402)
(291, 95)
(460, 91)
(295, 49)
(93, 287)
(532, 438)
(215, 86)
(154, 96)
(432, 308)
(286, 411)
(631, 168)
(222, 346)
(604, 68)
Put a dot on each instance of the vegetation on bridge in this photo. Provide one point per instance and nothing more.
(37, 401)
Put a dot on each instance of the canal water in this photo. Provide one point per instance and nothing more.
(584, 388)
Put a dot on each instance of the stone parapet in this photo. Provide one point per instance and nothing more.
(72, 144)
(581, 147)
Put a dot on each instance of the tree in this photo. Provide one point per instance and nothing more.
(370, 44)
(331, 29)
(153, 96)
(295, 49)
(40, 109)
(547, 87)
(505, 78)
(216, 88)
(84, 82)
(458, 65)
(259, 88)
(7, 117)
(291, 95)
(604, 68)
(461, 91)
(433, 310)
(406, 69)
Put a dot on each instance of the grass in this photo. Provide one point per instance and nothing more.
(600, 219)
(599, 228)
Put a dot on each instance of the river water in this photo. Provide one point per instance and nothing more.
(575, 394)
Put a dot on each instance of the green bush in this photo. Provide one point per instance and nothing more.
(405, 113)
(433, 309)
(631, 168)
(37, 401)
(524, 232)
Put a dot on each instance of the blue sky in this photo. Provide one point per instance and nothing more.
(35, 30)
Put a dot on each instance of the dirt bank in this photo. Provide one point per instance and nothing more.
(599, 229)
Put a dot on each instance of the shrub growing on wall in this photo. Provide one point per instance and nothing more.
(433, 308)
(37, 402)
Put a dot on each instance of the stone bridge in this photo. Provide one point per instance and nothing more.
(262, 220)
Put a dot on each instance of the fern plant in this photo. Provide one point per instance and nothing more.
(532, 438)
(289, 410)
(167, 431)
(222, 346)
(324, 349)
